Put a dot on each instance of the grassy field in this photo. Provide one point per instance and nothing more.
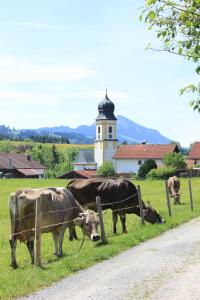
(26, 278)
(59, 146)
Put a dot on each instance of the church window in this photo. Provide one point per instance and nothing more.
(99, 131)
(110, 132)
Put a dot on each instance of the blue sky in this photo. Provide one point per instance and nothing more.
(58, 57)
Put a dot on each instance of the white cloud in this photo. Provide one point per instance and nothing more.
(16, 70)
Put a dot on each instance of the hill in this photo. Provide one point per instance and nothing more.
(127, 130)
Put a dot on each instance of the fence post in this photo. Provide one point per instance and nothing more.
(168, 199)
(99, 210)
(38, 218)
(190, 190)
(140, 205)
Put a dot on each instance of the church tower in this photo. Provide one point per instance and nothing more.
(106, 134)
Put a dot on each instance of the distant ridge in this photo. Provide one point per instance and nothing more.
(127, 130)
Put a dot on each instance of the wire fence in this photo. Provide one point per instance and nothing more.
(122, 208)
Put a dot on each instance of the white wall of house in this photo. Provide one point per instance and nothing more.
(198, 162)
(132, 165)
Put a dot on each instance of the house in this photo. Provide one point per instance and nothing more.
(15, 165)
(129, 158)
(85, 160)
(194, 155)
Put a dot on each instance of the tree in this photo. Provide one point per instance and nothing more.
(177, 24)
(175, 160)
(144, 169)
(106, 170)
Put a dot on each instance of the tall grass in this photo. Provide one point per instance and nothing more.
(26, 278)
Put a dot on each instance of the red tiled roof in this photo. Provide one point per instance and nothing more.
(146, 151)
(195, 151)
(79, 174)
(86, 173)
(18, 161)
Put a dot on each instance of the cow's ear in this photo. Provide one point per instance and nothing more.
(78, 221)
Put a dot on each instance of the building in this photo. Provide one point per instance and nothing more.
(106, 132)
(15, 165)
(194, 155)
(126, 159)
(85, 160)
(129, 158)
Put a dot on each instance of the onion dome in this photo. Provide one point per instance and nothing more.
(106, 109)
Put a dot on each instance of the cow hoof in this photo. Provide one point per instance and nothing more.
(124, 231)
(14, 265)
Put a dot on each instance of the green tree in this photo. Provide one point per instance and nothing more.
(174, 160)
(177, 24)
(144, 169)
(106, 170)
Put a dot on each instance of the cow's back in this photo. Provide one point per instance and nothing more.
(58, 205)
(111, 191)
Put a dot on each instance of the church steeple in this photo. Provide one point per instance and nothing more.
(106, 109)
(106, 135)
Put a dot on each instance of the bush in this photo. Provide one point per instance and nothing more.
(175, 160)
(161, 173)
(106, 170)
(144, 169)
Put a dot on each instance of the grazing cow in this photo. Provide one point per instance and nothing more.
(59, 210)
(173, 184)
(119, 195)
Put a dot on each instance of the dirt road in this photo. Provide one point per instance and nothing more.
(167, 267)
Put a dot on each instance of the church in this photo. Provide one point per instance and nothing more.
(126, 159)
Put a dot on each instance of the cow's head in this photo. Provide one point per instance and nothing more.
(88, 221)
(152, 216)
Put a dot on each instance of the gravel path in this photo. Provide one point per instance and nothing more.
(166, 267)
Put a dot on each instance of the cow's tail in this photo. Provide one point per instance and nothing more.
(13, 215)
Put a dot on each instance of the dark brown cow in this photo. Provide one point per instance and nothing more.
(59, 211)
(119, 195)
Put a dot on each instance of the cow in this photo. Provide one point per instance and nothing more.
(59, 210)
(173, 184)
(120, 195)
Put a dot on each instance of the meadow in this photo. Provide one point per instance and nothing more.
(14, 144)
(27, 278)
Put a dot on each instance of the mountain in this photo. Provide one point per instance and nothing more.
(135, 133)
(127, 130)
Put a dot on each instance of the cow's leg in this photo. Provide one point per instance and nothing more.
(114, 219)
(13, 245)
(60, 242)
(30, 246)
(55, 238)
(123, 221)
(72, 233)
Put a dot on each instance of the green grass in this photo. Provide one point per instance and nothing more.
(59, 146)
(26, 278)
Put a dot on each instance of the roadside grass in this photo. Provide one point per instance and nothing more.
(26, 279)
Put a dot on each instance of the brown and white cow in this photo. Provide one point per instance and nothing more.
(58, 206)
(173, 184)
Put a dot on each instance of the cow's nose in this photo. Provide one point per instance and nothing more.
(95, 238)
